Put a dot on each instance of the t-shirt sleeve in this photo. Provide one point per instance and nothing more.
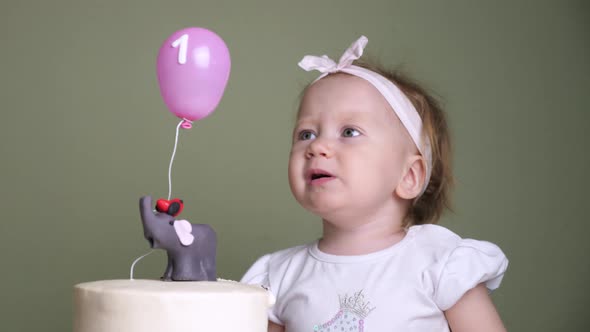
(257, 274)
(465, 266)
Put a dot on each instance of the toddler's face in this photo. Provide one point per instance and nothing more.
(349, 149)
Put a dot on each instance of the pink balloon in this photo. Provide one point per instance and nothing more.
(193, 68)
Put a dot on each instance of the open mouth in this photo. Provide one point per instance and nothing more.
(319, 176)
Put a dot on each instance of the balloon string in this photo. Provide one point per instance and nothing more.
(137, 260)
(185, 124)
(172, 160)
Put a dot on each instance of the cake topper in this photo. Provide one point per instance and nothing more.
(193, 68)
(191, 248)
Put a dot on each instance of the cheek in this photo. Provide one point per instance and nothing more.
(392, 166)
(294, 169)
(381, 168)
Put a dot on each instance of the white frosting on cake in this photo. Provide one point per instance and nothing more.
(153, 305)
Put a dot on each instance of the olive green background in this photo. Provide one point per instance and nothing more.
(84, 133)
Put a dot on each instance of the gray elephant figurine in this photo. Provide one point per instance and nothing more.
(191, 248)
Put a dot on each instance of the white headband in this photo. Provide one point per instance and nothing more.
(401, 105)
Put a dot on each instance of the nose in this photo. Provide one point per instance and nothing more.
(319, 148)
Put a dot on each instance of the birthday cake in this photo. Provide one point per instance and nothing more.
(189, 296)
(153, 305)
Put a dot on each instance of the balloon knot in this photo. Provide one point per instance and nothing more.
(186, 124)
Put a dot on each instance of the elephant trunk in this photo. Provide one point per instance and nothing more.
(147, 219)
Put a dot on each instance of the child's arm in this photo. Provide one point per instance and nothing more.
(475, 311)
(272, 327)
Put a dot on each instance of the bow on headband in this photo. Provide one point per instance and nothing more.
(402, 106)
(326, 65)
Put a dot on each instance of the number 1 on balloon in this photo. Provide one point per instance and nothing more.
(183, 42)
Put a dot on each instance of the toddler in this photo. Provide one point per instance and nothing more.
(371, 157)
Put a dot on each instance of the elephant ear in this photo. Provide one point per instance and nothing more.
(183, 230)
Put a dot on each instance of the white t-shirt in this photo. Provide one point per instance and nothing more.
(406, 287)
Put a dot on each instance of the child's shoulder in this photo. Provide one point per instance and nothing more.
(434, 243)
(283, 255)
(275, 263)
(442, 237)
(434, 236)
(288, 254)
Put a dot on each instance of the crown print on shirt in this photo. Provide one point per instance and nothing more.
(351, 316)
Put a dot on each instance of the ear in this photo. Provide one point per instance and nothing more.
(184, 230)
(413, 178)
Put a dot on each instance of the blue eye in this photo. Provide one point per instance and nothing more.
(350, 132)
(305, 135)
